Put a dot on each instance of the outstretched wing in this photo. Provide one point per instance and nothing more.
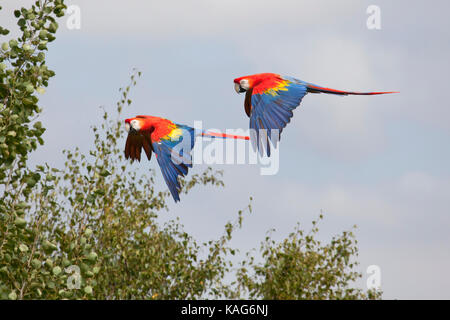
(135, 142)
(174, 157)
(270, 105)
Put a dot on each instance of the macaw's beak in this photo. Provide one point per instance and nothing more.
(238, 88)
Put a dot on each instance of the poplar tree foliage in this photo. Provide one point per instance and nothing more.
(89, 230)
(302, 267)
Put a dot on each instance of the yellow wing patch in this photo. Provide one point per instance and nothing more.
(175, 133)
(281, 86)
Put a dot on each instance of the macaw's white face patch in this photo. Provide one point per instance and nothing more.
(135, 125)
(127, 126)
(244, 84)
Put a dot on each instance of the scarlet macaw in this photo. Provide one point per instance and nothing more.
(270, 100)
(171, 142)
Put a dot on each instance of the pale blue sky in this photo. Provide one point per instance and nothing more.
(378, 162)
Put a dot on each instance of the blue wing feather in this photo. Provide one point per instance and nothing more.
(273, 111)
(174, 158)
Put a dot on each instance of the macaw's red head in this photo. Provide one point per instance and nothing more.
(143, 123)
(243, 84)
(134, 124)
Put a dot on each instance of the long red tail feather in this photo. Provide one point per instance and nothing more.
(223, 135)
(317, 89)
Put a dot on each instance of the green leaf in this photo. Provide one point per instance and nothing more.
(88, 232)
(12, 295)
(105, 173)
(36, 263)
(48, 246)
(20, 222)
(53, 27)
(56, 271)
(88, 290)
(13, 43)
(43, 34)
(92, 256)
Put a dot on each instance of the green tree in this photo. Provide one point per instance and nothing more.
(89, 230)
(23, 72)
(103, 217)
(301, 267)
(94, 220)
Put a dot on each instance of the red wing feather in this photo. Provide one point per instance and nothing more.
(147, 144)
(248, 102)
(135, 142)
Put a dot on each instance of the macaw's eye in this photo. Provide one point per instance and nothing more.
(127, 126)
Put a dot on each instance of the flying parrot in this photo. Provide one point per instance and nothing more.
(171, 142)
(270, 99)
